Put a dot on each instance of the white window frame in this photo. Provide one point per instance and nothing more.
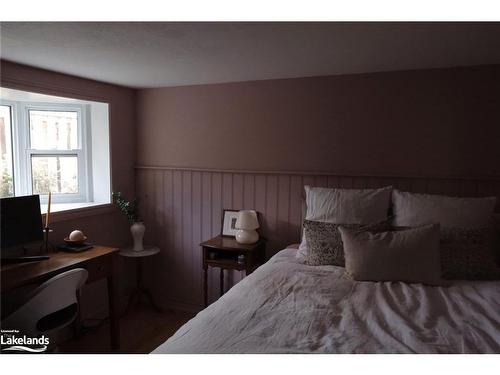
(22, 153)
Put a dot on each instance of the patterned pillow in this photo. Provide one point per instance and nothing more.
(324, 242)
(468, 254)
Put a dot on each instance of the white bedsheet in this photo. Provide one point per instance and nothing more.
(286, 306)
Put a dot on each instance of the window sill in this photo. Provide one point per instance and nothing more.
(69, 211)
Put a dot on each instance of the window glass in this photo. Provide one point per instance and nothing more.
(53, 130)
(6, 182)
(57, 174)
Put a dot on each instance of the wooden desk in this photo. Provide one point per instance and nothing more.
(98, 261)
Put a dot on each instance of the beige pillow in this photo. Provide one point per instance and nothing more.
(409, 255)
(411, 209)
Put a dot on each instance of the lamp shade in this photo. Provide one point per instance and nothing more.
(247, 219)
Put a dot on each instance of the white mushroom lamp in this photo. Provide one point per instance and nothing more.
(246, 223)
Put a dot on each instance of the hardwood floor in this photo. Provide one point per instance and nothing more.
(142, 330)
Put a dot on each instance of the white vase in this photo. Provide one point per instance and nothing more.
(137, 229)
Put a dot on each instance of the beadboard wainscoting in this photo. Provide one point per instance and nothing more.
(183, 207)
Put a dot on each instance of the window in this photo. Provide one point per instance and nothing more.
(56, 152)
(46, 146)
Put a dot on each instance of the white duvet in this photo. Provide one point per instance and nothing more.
(286, 306)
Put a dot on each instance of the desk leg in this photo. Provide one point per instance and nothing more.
(205, 285)
(221, 282)
(114, 322)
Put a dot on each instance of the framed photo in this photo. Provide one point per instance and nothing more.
(229, 218)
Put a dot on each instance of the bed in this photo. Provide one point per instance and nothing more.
(286, 306)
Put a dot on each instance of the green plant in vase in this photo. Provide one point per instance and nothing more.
(130, 210)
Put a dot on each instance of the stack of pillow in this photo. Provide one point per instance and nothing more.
(427, 239)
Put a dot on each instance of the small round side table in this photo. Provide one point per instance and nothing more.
(135, 297)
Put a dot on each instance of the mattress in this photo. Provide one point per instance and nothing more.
(286, 306)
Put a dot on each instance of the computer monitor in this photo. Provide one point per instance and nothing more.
(21, 221)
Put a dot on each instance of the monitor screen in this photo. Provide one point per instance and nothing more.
(21, 221)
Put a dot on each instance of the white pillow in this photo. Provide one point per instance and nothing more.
(411, 209)
(345, 206)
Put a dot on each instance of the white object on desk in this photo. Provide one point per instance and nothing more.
(76, 235)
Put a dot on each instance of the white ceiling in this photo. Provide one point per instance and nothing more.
(171, 54)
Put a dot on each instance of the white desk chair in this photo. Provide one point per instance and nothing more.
(51, 306)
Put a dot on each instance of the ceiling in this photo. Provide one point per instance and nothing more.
(171, 54)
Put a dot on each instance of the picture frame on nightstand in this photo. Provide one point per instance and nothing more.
(229, 218)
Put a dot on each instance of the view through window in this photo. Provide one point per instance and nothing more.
(55, 133)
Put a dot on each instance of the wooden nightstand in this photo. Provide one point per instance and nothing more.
(223, 252)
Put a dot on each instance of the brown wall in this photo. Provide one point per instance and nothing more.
(103, 226)
(437, 122)
(440, 127)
